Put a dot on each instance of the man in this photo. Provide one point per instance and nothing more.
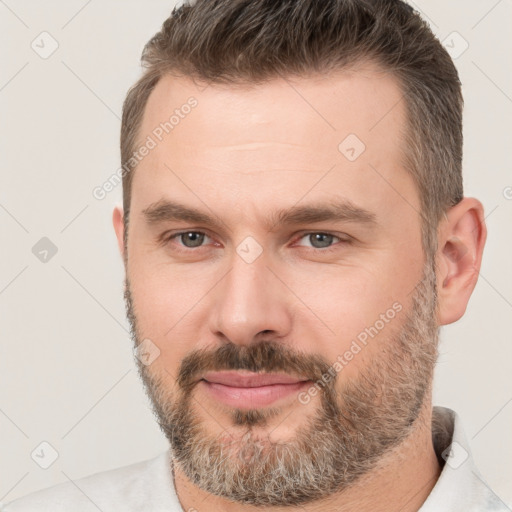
(294, 233)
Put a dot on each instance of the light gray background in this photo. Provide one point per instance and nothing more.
(66, 368)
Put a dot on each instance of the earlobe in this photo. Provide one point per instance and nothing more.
(461, 242)
(118, 222)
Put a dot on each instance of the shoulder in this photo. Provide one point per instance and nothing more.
(127, 488)
(460, 485)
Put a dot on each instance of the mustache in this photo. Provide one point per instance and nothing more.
(264, 356)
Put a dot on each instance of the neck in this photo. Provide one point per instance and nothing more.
(405, 477)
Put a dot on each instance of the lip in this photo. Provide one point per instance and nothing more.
(249, 389)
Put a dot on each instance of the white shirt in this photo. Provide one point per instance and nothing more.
(148, 486)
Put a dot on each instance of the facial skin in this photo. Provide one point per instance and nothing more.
(240, 156)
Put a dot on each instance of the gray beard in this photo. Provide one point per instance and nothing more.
(344, 439)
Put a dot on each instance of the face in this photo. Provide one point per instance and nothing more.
(274, 260)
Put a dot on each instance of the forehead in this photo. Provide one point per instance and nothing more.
(277, 137)
(361, 99)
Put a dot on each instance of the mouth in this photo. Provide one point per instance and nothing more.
(243, 389)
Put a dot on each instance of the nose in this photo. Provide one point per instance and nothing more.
(249, 303)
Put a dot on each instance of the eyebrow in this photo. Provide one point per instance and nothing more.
(165, 210)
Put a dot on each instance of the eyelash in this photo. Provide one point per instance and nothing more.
(166, 238)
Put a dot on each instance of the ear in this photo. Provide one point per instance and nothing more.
(118, 221)
(461, 240)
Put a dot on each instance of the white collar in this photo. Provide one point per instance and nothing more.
(460, 486)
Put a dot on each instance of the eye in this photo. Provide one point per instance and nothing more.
(320, 240)
(314, 240)
(189, 239)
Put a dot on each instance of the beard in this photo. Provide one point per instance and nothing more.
(347, 435)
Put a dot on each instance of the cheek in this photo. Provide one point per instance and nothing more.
(164, 292)
(166, 304)
(351, 313)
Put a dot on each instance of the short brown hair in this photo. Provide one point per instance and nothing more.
(252, 41)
